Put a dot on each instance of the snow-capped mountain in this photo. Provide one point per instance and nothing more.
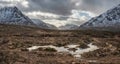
(42, 24)
(12, 15)
(106, 21)
(68, 27)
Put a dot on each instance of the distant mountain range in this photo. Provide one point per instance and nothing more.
(12, 15)
(41, 24)
(69, 27)
(109, 20)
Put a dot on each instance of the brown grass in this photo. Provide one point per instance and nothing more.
(15, 39)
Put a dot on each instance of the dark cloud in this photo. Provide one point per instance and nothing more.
(64, 7)
(97, 6)
(61, 7)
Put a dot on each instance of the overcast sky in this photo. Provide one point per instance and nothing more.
(61, 12)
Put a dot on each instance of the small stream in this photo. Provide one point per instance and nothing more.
(76, 53)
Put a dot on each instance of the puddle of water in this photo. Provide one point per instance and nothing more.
(77, 53)
(33, 48)
(92, 60)
(72, 46)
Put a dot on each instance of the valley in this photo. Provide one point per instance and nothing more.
(15, 41)
(59, 32)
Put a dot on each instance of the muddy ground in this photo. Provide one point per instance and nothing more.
(15, 39)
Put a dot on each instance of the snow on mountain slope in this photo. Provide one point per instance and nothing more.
(42, 24)
(109, 19)
(68, 27)
(12, 15)
(51, 26)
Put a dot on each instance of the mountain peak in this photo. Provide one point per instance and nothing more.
(109, 19)
(9, 8)
(12, 15)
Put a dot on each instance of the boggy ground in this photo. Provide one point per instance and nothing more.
(15, 39)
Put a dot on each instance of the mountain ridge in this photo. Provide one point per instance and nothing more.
(109, 19)
(12, 15)
(42, 24)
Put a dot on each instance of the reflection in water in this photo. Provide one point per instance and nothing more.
(77, 53)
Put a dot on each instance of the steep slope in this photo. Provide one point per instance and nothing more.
(68, 27)
(108, 20)
(42, 24)
(12, 15)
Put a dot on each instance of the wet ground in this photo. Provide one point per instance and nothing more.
(29, 45)
(74, 50)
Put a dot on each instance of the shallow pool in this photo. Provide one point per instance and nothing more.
(77, 53)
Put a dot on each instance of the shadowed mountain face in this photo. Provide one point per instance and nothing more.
(12, 15)
(109, 20)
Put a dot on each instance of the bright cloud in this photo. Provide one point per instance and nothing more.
(23, 3)
(57, 23)
(10, 0)
(39, 13)
(74, 18)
